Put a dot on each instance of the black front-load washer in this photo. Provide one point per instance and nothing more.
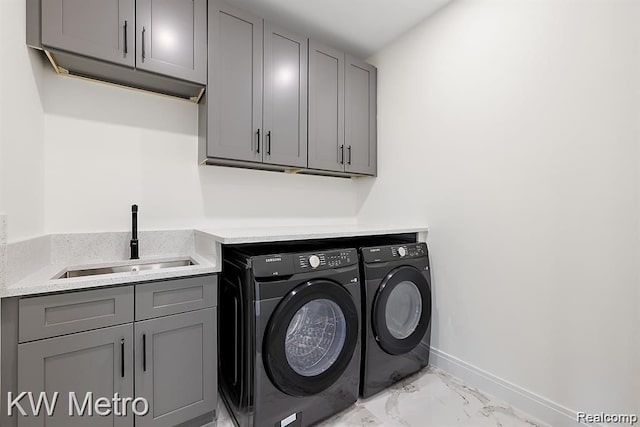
(396, 328)
(289, 333)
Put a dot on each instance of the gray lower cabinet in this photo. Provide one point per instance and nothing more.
(158, 299)
(233, 104)
(54, 315)
(101, 29)
(88, 342)
(285, 97)
(171, 38)
(97, 361)
(176, 367)
(326, 108)
(360, 117)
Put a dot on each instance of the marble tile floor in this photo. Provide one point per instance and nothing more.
(429, 398)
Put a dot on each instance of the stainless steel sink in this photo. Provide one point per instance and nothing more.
(67, 274)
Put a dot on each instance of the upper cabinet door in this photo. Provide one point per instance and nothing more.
(360, 117)
(171, 38)
(101, 29)
(285, 97)
(326, 108)
(235, 84)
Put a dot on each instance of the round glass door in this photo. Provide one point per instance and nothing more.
(401, 310)
(311, 337)
(315, 337)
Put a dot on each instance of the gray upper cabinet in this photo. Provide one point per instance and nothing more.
(360, 117)
(285, 97)
(326, 108)
(103, 40)
(255, 110)
(171, 38)
(234, 99)
(176, 367)
(104, 359)
(276, 100)
(101, 29)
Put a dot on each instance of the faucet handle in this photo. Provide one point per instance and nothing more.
(134, 208)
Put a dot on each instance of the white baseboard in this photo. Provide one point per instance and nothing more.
(543, 409)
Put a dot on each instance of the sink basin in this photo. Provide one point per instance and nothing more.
(67, 274)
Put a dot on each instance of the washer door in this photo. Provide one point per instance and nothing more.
(401, 310)
(310, 338)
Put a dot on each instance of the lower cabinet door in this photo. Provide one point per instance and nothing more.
(176, 367)
(81, 368)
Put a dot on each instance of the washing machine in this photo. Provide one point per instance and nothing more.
(289, 335)
(396, 326)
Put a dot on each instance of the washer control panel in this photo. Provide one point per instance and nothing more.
(276, 265)
(394, 252)
(324, 260)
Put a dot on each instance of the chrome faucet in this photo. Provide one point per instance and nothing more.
(134, 233)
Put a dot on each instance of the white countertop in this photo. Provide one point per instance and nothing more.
(230, 236)
(42, 281)
(33, 264)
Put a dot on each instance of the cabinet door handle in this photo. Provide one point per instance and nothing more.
(126, 49)
(144, 352)
(144, 53)
(269, 143)
(258, 147)
(122, 357)
(349, 161)
(342, 154)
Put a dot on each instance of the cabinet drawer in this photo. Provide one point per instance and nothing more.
(175, 296)
(61, 314)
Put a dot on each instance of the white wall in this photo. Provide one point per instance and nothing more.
(106, 148)
(21, 127)
(511, 128)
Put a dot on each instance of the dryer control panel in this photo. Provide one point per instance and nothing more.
(287, 264)
(394, 252)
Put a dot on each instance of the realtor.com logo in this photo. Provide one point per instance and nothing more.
(36, 404)
(603, 417)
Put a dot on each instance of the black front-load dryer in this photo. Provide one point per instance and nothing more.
(396, 327)
(289, 335)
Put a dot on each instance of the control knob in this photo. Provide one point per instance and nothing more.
(402, 251)
(314, 261)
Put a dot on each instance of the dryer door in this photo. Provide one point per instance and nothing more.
(401, 310)
(311, 337)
